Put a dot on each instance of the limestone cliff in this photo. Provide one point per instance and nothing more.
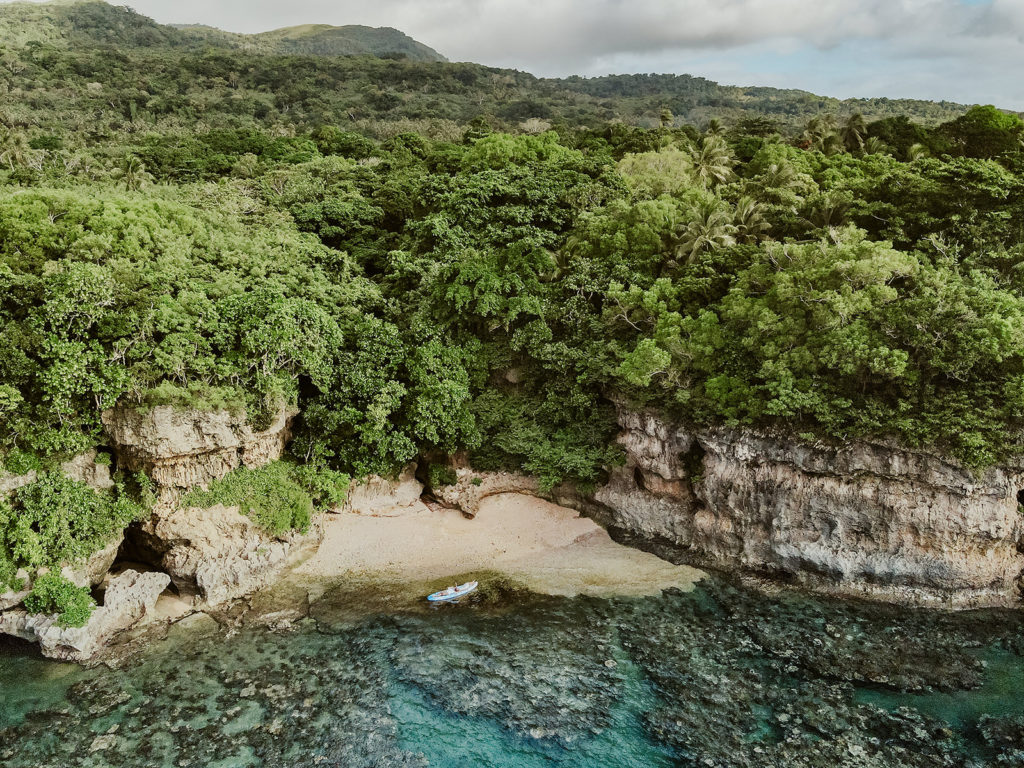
(212, 554)
(862, 518)
(181, 449)
(216, 553)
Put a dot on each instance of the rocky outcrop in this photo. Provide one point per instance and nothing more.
(128, 598)
(216, 553)
(373, 494)
(862, 518)
(473, 487)
(181, 449)
(85, 469)
(11, 482)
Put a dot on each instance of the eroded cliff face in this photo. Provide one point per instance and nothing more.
(182, 449)
(861, 519)
(214, 554)
(210, 556)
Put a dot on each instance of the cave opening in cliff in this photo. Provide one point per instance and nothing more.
(692, 460)
(1020, 498)
(139, 552)
(17, 646)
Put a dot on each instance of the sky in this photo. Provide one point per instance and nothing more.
(969, 51)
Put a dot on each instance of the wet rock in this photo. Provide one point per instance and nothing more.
(259, 699)
(538, 675)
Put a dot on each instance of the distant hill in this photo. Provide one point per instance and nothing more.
(85, 23)
(362, 77)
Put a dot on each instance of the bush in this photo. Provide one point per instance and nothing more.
(52, 593)
(326, 487)
(21, 462)
(57, 520)
(442, 474)
(273, 496)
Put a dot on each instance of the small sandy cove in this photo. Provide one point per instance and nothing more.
(545, 547)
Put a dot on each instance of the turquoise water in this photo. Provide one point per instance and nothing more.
(721, 677)
(1001, 693)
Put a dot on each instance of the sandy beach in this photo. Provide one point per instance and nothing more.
(545, 547)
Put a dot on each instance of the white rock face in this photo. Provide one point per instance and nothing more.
(127, 599)
(374, 493)
(186, 448)
(473, 487)
(9, 482)
(219, 552)
(84, 469)
(863, 518)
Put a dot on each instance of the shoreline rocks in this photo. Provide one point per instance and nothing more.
(128, 598)
(217, 553)
(862, 519)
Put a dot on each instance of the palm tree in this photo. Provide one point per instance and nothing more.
(14, 149)
(715, 127)
(781, 176)
(822, 134)
(875, 146)
(829, 209)
(712, 161)
(749, 220)
(709, 228)
(853, 132)
(133, 173)
(916, 152)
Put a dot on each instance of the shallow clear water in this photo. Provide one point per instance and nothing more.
(718, 677)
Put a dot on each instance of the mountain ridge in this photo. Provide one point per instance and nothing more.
(78, 23)
(422, 84)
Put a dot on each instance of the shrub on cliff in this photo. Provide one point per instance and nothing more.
(56, 521)
(279, 497)
(52, 593)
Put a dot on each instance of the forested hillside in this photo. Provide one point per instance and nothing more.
(382, 244)
(91, 23)
(91, 66)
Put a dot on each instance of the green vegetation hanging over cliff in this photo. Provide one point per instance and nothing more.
(489, 294)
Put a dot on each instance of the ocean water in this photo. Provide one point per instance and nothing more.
(721, 676)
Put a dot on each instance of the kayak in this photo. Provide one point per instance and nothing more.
(451, 594)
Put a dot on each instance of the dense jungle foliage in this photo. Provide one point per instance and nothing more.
(216, 230)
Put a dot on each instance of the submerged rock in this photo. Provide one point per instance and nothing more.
(862, 518)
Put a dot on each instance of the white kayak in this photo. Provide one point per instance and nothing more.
(453, 592)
